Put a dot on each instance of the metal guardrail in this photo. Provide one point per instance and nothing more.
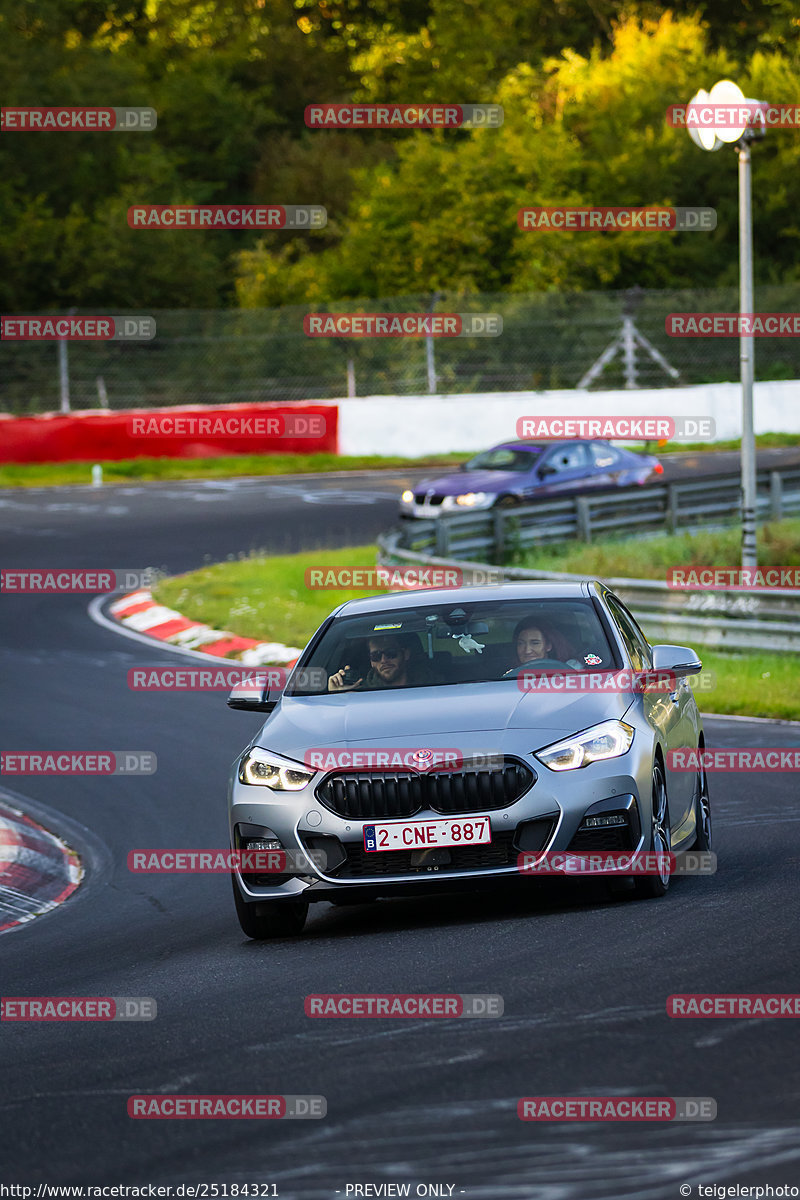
(742, 620)
(679, 506)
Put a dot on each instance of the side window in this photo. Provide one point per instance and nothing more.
(635, 642)
(604, 457)
(569, 458)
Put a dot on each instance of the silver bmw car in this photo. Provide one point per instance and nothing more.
(432, 740)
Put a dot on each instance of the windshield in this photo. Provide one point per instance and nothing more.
(503, 458)
(447, 643)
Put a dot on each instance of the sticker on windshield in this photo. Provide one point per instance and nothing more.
(375, 628)
(467, 643)
(592, 660)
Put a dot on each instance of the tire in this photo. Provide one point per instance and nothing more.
(263, 919)
(702, 810)
(506, 502)
(650, 887)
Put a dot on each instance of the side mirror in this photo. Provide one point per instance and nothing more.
(257, 693)
(679, 660)
(261, 691)
(546, 470)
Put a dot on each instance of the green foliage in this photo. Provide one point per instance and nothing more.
(584, 89)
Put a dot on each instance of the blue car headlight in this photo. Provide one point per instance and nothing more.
(607, 740)
(475, 499)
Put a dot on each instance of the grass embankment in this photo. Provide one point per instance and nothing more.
(761, 685)
(266, 598)
(650, 558)
(151, 470)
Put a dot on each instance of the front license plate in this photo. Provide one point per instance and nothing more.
(416, 835)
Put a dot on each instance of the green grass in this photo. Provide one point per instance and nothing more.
(778, 545)
(752, 685)
(148, 470)
(266, 599)
(764, 441)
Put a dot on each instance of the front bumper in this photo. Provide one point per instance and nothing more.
(549, 816)
(439, 506)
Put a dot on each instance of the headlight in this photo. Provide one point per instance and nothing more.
(609, 740)
(268, 770)
(472, 499)
(407, 498)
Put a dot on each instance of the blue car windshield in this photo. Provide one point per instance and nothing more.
(504, 458)
(453, 644)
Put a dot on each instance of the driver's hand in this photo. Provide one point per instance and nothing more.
(336, 682)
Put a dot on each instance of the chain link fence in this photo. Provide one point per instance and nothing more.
(549, 340)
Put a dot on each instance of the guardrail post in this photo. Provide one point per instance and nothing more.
(584, 518)
(775, 495)
(442, 539)
(672, 508)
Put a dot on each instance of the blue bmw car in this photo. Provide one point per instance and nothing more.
(521, 472)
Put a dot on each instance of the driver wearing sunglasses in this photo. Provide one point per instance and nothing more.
(389, 667)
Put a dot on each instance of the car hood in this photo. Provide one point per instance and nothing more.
(470, 481)
(489, 716)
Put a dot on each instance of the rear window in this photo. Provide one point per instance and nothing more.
(456, 645)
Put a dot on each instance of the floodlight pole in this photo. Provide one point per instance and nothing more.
(747, 358)
(753, 125)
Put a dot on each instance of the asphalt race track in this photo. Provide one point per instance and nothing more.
(584, 979)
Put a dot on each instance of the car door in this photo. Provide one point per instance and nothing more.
(607, 465)
(565, 470)
(670, 712)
